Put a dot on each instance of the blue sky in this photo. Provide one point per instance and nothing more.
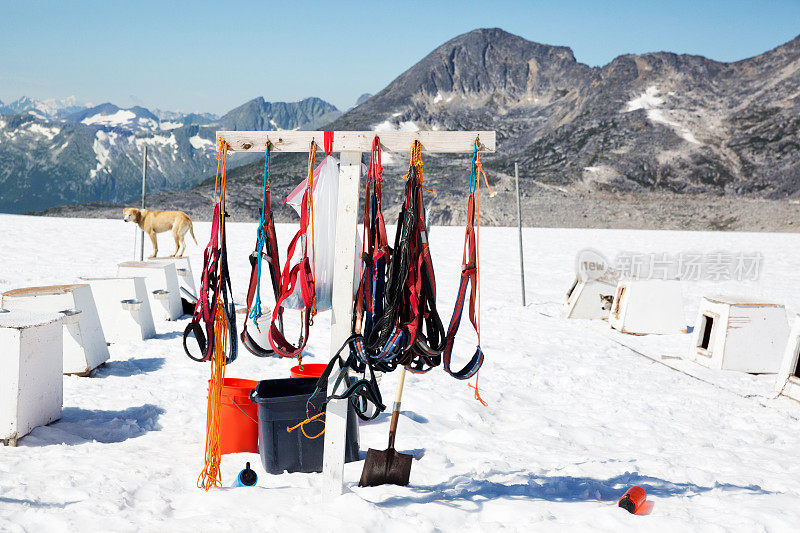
(213, 56)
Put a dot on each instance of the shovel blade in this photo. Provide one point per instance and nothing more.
(388, 467)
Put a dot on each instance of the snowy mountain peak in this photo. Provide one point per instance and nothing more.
(109, 115)
(52, 108)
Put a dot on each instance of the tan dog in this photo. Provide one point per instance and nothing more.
(153, 222)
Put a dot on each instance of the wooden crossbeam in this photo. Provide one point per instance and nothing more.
(359, 141)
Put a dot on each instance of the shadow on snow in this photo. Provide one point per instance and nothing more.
(79, 426)
(462, 490)
(129, 367)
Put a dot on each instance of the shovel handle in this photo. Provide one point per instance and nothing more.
(396, 407)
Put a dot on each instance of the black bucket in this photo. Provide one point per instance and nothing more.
(282, 403)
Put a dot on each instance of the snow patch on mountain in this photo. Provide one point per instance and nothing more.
(169, 125)
(395, 126)
(123, 116)
(102, 148)
(198, 143)
(157, 140)
(38, 129)
(651, 102)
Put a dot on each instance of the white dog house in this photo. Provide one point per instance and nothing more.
(31, 383)
(124, 308)
(183, 267)
(585, 298)
(739, 333)
(163, 289)
(647, 306)
(84, 344)
(788, 382)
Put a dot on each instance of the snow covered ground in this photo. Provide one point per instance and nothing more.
(573, 417)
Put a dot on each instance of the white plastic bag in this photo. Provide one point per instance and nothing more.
(322, 253)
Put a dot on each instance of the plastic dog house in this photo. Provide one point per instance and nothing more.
(161, 280)
(124, 308)
(183, 267)
(585, 298)
(31, 383)
(788, 382)
(84, 343)
(739, 333)
(647, 306)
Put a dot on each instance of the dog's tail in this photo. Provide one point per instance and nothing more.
(191, 231)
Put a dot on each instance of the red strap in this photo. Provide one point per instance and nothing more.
(328, 142)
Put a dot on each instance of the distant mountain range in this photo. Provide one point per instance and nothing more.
(656, 122)
(57, 152)
(659, 122)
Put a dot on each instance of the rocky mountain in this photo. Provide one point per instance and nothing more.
(56, 154)
(174, 119)
(133, 119)
(258, 114)
(363, 98)
(47, 163)
(657, 121)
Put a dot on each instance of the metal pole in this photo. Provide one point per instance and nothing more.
(519, 226)
(144, 184)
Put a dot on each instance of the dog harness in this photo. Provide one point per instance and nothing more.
(301, 274)
(395, 300)
(266, 248)
(215, 281)
(469, 277)
(409, 332)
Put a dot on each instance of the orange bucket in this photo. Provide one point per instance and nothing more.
(311, 370)
(239, 417)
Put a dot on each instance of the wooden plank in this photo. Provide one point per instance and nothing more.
(359, 141)
(341, 315)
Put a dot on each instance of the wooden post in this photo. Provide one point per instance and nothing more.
(519, 226)
(341, 317)
(144, 182)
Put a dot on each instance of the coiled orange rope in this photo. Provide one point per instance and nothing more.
(210, 475)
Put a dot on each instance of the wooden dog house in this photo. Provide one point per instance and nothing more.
(84, 343)
(739, 333)
(647, 306)
(31, 383)
(788, 382)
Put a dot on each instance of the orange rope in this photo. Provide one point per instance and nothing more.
(478, 171)
(302, 425)
(416, 159)
(210, 475)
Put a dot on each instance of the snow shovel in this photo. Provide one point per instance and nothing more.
(388, 467)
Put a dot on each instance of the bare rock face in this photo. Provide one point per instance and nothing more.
(651, 122)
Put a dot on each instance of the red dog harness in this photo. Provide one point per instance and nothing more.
(301, 274)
